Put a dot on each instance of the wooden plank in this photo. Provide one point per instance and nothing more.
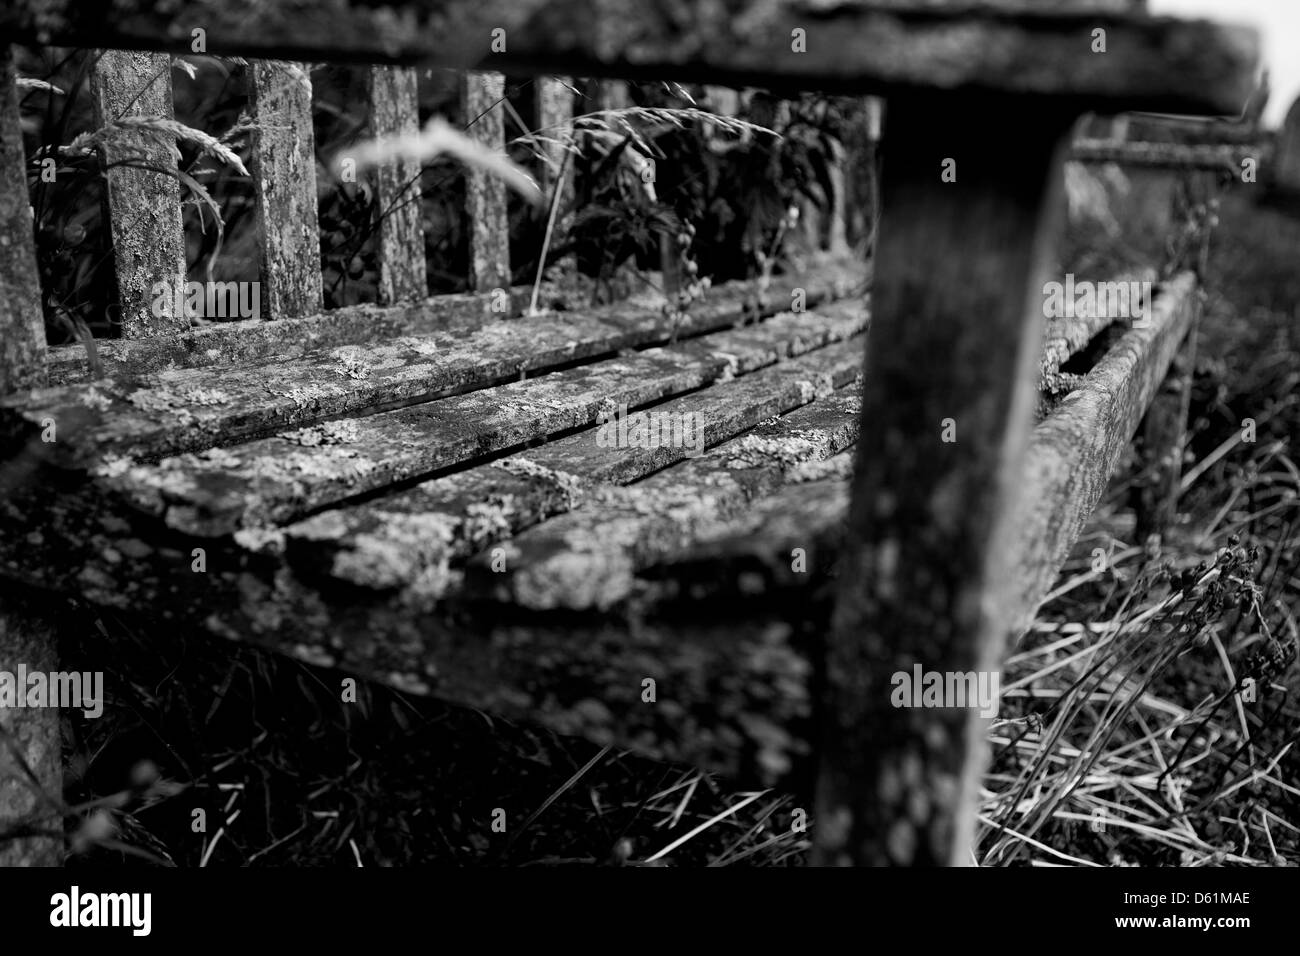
(284, 181)
(1227, 157)
(248, 341)
(1067, 336)
(252, 341)
(31, 754)
(1190, 130)
(938, 466)
(1150, 62)
(274, 480)
(589, 558)
(751, 556)
(144, 205)
(22, 325)
(485, 195)
(554, 120)
(394, 111)
(1075, 450)
(170, 412)
(1070, 459)
(364, 545)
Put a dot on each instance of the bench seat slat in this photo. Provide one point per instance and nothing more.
(190, 409)
(356, 544)
(254, 341)
(270, 480)
(588, 559)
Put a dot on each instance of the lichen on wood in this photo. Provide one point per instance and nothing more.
(394, 105)
(144, 204)
(482, 103)
(284, 183)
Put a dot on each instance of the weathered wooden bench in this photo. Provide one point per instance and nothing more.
(418, 491)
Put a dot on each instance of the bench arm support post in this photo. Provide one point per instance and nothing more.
(970, 220)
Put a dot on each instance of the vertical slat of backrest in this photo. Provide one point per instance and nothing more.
(284, 179)
(144, 205)
(394, 111)
(554, 119)
(22, 329)
(837, 229)
(485, 195)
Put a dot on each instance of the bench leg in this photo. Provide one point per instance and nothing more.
(31, 766)
(957, 320)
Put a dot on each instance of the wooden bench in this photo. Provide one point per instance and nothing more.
(418, 492)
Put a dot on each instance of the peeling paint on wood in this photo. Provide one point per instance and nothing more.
(394, 111)
(22, 327)
(284, 181)
(144, 206)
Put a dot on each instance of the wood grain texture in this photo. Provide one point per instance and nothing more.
(1151, 62)
(144, 205)
(284, 181)
(22, 326)
(956, 332)
(394, 111)
(485, 195)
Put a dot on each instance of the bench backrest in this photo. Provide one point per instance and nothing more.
(891, 46)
